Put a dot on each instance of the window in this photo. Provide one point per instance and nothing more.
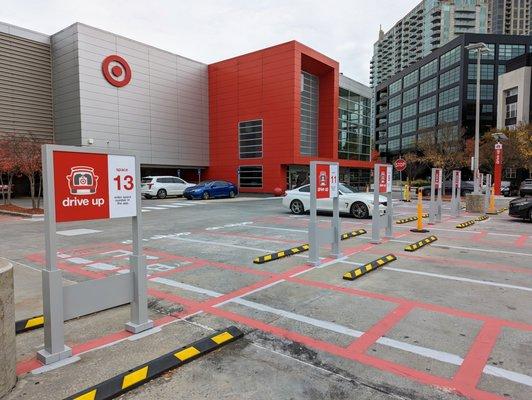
(428, 87)
(510, 173)
(472, 54)
(395, 87)
(393, 145)
(511, 110)
(486, 71)
(410, 95)
(509, 51)
(450, 77)
(486, 108)
(449, 96)
(450, 58)
(448, 115)
(394, 116)
(394, 102)
(427, 104)
(305, 189)
(394, 130)
(410, 79)
(501, 69)
(486, 92)
(250, 176)
(428, 69)
(250, 138)
(308, 145)
(177, 180)
(510, 92)
(408, 142)
(409, 127)
(427, 121)
(409, 111)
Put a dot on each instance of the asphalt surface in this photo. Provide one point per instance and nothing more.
(450, 320)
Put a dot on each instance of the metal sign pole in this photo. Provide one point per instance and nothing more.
(314, 258)
(375, 228)
(52, 278)
(432, 208)
(139, 303)
(488, 193)
(440, 190)
(336, 231)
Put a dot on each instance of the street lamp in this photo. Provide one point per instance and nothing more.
(480, 48)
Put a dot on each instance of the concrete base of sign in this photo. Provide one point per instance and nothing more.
(49, 358)
(474, 203)
(419, 230)
(137, 328)
(8, 354)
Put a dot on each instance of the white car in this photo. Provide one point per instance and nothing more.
(162, 186)
(357, 204)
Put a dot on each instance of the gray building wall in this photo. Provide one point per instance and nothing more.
(161, 115)
(25, 83)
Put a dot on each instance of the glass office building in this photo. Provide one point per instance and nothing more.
(439, 91)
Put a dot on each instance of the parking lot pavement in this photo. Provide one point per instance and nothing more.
(452, 319)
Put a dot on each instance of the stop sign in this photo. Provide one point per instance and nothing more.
(400, 164)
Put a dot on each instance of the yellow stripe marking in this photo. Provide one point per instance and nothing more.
(280, 254)
(35, 321)
(268, 257)
(295, 250)
(305, 247)
(389, 258)
(135, 377)
(348, 275)
(380, 261)
(358, 272)
(187, 353)
(368, 267)
(87, 396)
(222, 337)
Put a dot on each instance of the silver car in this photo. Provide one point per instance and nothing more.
(163, 186)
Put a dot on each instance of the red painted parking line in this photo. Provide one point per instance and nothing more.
(521, 240)
(474, 362)
(378, 330)
(194, 265)
(479, 236)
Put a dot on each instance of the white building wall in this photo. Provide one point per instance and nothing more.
(519, 78)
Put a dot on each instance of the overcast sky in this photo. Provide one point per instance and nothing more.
(212, 30)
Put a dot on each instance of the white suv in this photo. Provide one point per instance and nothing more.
(162, 186)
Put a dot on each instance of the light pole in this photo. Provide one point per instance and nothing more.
(480, 48)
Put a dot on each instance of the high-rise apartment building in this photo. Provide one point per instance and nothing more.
(431, 24)
(510, 17)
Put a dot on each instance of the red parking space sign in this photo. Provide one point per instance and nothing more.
(322, 181)
(93, 186)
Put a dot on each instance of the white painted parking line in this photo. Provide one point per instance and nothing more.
(455, 231)
(459, 278)
(184, 204)
(103, 266)
(78, 260)
(76, 232)
(169, 206)
(143, 210)
(482, 250)
(278, 229)
(331, 326)
(209, 242)
(154, 208)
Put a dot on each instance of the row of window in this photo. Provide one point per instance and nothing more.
(409, 142)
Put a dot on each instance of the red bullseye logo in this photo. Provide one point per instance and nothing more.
(116, 71)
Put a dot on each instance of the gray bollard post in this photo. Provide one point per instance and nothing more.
(8, 360)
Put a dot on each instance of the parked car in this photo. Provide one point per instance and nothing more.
(509, 189)
(163, 186)
(526, 188)
(211, 189)
(4, 188)
(357, 204)
(521, 208)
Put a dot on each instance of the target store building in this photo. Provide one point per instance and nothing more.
(257, 119)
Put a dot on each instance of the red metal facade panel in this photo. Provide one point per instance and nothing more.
(266, 85)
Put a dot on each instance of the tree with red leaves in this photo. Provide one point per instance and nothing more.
(28, 152)
(9, 166)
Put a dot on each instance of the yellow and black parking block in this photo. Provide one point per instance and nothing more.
(352, 234)
(364, 269)
(482, 218)
(501, 210)
(466, 224)
(28, 324)
(280, 254)
(419, 244)
(143, 373)
(409, 219)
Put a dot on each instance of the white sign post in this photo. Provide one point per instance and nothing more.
(436, 184)
(323, 188)
(86, 184)
(382, 184)
(455, 193)
(487, 195)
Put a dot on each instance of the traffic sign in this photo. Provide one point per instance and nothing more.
(400, 164)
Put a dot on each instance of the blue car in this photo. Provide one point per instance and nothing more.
(210, 190)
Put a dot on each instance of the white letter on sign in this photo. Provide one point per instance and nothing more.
(122, 190)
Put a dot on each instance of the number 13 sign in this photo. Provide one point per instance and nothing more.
(93, 186)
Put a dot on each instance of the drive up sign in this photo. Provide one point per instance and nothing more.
(93, 186)
(326, 181)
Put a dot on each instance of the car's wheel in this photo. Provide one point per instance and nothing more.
(147, 196)
(206, 196)
(359, 210)
(161, 194)
(297, 207)
(231, 194)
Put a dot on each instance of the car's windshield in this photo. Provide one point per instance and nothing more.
(345, 188)
(204, 183)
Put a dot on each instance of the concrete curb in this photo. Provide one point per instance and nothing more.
(419, 244)
(379, 262)
(143, 373)
(20, 214)
(466, 224)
